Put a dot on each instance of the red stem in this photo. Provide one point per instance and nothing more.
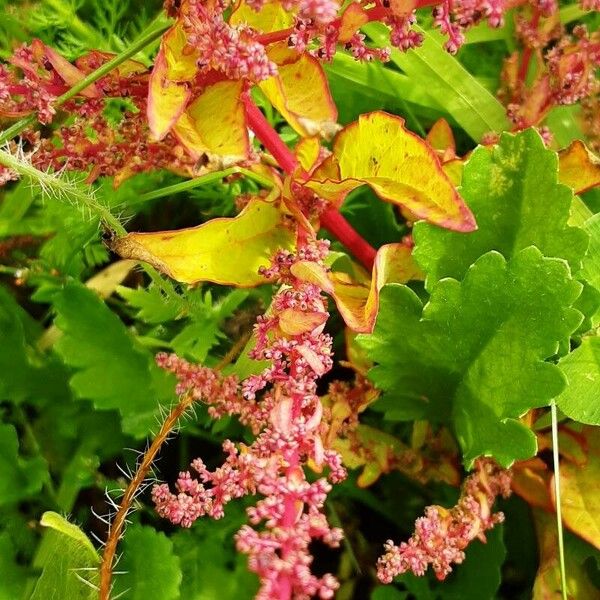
(337, 225)
(524, 66)
(332, 219)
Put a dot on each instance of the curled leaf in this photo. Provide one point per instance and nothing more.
(228, 251)
(68, 72)
(401, 168)
(300, 92)
(166, 99)
(214, 125)
(358, 302)
(578, 167)
(580, 499)
(441, 138)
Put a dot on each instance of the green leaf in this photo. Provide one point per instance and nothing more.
(580, 400)
(20, 478)
(152, 305)
(477, 578)
(69, 562)
(450, 85)
(152, 570)
(591, 263)
(211, 566)
(513, 192)
(15, 353)
(111, 370)
(13, 576)
(473, 356)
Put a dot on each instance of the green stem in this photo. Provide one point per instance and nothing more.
(61, 188)
(16, 128)
(203, 180)
(559, 528)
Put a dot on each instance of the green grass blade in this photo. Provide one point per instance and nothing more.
(448, 83)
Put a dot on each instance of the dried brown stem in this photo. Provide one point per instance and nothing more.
(116, 529)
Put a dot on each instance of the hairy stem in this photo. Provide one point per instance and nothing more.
(332, 220)
(16, 128)
(117, 526)
(70, 191)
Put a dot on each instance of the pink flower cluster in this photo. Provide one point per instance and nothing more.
(224, 48)
(31, 85)
(113, 149)
(442, 535)
(282, 407)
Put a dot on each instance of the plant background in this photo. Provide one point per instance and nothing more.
(80, 394)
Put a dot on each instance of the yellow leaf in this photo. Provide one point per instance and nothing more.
(166, 99)
(399, 166)
(228, 251)
(578, 168)
(358, 302)
(307, 152)
(547, 585)
(271, 17)
(441, 138)
(214, 125)
(295, 322)
(300, 92)
(353, 18)
(580, 491)
(181, 59)
(94, 58)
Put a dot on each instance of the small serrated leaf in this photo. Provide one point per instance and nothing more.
(20, 478)
(517, 201)
(377, 150)
(100, 349)
(151, 569)
(474, 355)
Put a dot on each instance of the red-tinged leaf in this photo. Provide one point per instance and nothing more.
(228, 251)
(307, 152)
(441, 138)
(531, 480)
(579, 168)
(580, 491)
(358, 302)
(300, 92)
(400, 167)
(353, 18)
(271, 16)
(69, 73)
(166, 99)
(181, 58)
(295, 322)
(401, 8)
(454, 170)
(379, 452)
(547, 585)
(214, 125)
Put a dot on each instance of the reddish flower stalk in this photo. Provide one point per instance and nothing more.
(332, 219)
(442, 535)
(282, 408)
